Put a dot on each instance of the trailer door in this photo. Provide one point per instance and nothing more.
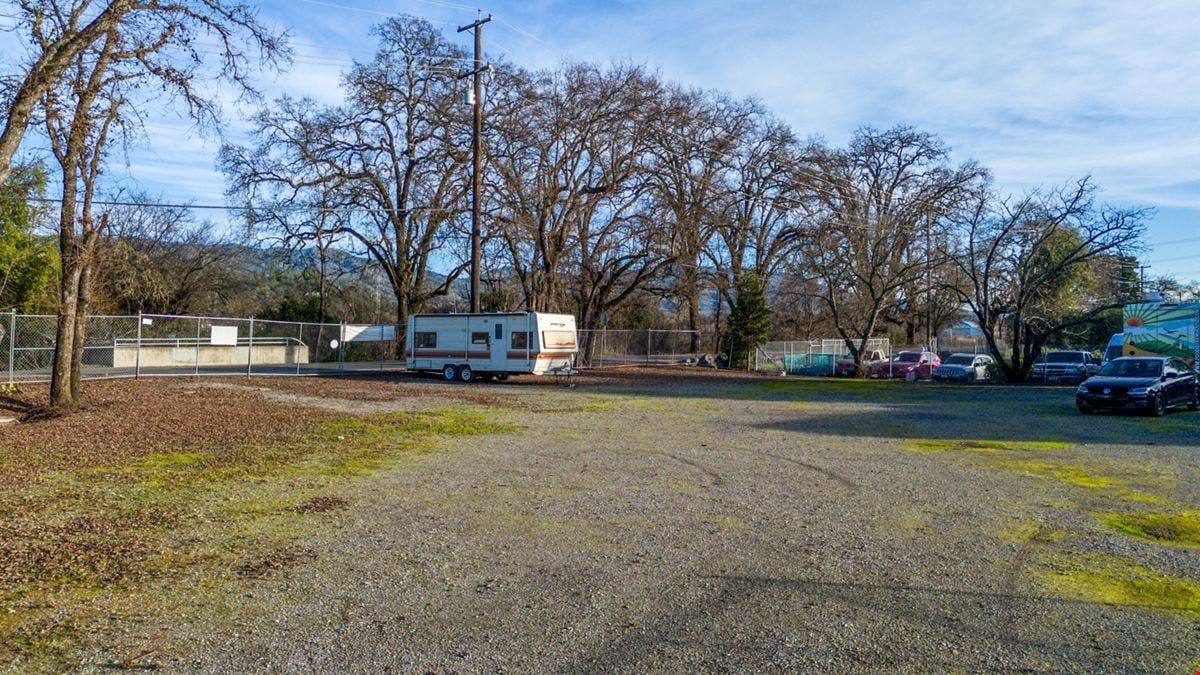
(499, 347)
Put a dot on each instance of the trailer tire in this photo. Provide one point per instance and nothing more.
(501, 376)
(465, 373)
(450, 372)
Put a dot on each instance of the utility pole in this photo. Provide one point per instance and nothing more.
(477, 151)
(1142, 281)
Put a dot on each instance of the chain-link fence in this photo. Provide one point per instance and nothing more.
(165, 345)
(601, 348)
(809, 357)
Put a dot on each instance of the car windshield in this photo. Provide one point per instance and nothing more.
(960, 360)
(1064, 357)
(908, 357)
(1132, 368)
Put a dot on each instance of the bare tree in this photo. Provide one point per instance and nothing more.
(568, 155)
(388, 163)
(756, 219)
(873, 207)
(60, 31)
(690, 147)
(1028, 265)
(95, 102)
(158, 259)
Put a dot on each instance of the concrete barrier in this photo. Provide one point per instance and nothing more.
(167, 356)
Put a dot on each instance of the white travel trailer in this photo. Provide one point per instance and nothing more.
(465, 346)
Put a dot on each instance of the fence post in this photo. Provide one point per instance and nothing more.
(296, 348)
(137, 354)
(648, 331)
(197, 366)
(12, 345)
(250, 350)
(342, 347)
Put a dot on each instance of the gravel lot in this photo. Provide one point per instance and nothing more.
(678, 520)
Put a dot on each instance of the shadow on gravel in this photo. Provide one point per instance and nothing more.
(977, 622)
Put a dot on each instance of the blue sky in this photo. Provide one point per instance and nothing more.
(1040, 92)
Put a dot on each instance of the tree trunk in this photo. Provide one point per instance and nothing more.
(693, 305)
(402, 312)
(83, 307)
(61, 391)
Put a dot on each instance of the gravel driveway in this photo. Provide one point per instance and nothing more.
(662, 522)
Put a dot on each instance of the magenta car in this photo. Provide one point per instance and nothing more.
(903, 363)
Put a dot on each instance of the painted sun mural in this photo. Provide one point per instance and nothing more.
(1155, 328)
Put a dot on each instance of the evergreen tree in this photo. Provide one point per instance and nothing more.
(27, 261)
(750, 320)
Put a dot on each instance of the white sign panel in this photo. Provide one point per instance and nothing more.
(369, 333)
(224, 336)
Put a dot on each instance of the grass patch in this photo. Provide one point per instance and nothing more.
(960, 445)
(1177, 529)
(1114, 580)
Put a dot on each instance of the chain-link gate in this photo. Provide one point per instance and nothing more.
(150, 345)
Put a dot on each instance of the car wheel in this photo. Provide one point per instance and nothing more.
(450, 372)
(1158, 407)
(970, 378)
(1086, 410)
(465, 373)
(1194, 403)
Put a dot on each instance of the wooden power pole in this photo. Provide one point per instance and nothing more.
(476, 151)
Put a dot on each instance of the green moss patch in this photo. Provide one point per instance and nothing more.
(1178, 529)
(1117, 581)
(962, 445)
(1067, 473)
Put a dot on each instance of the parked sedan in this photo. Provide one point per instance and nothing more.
(1149, 383)
(964, 368)
(920, 364)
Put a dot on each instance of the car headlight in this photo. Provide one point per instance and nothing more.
(1140, 391)
(1081, 389)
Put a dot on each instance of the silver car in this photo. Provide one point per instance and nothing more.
(964, 368)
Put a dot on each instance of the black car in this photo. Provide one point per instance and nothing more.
(1150, 383)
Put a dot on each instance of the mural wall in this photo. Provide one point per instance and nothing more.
(1162, 329)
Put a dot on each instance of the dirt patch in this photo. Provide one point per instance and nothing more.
(274, 562)
(322, 504)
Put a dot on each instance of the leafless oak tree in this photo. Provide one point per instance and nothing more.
(388, 163)
(873, 209)
(1028, 261)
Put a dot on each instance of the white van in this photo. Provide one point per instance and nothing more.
(466, 346)
(1115, 348)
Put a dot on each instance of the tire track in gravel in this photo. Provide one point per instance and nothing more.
(828, 473)
(717, 480)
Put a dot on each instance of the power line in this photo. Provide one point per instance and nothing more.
(363, 10)
(228, 207)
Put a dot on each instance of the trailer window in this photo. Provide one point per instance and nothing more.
(499, 331)
(558, 339)
(424, 340)
(480, 338)
(520, 339)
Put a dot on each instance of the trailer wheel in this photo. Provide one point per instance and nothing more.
(450, 372)
(501, 376)
(465, 373)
